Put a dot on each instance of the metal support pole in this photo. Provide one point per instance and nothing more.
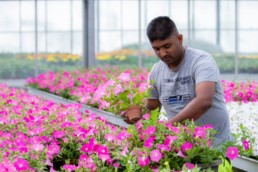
(71, 26)
(46, 27)
(218, 22)
(236, 41)
(20, 27)
(188, 22)
(36, 39)
(140, 37)
(88, 34)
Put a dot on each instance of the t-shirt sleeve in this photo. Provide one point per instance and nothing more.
(152, 78)
(205, 69)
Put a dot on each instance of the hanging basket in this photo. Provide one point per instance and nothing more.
(133, 114)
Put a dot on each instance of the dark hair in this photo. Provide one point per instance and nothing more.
(160, 28)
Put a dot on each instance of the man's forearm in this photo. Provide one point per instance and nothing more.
(194, 110)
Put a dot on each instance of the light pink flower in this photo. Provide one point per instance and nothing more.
(124, 151)
(232, 152)
(37, 147)
(155, 155)
(181, 154)
(109, 137)
(118, 89)
(124, 76)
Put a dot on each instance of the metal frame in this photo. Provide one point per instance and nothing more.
(111, 118)
(88, 34)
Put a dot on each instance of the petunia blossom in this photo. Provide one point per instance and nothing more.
(155, 155)
(232, 152)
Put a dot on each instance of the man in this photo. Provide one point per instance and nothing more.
(186, 81)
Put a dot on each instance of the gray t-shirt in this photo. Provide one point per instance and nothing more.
(176, 88)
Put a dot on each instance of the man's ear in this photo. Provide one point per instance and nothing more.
(180, 38)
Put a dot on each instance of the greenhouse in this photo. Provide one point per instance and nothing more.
(128, 85)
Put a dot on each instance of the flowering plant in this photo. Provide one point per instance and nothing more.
(123, 93)
(158, 146)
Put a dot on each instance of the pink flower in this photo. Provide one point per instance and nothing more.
(69, 167)
(125, 150)
(143, 160)
(169, 140)
(122, 135)
(146, 116)
(52, 149)
(109, 137)
(155, 155)
(37, 147)
(245, 144)
(181, 154)
(104, 157)
(189, 166)
(116, 165)
(148, 142)
(199, 132)
(58, 134)
(172, 128)
(150, 130)
(186, 146)
(118, 89)
(102, 149)
(162, 147)
(124, 77)
(21, 164)
(232, 152)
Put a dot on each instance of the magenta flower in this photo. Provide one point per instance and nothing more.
(21, 164)
(58, 134)
(69, 167)
(116, 165)
(148, 142)
(146, 116)
(150, 130)
(199, 132)
(232, 152)
(169, 140)
(189, 166)
(102, 149)
(122, 135)
(143, 160)
(186, 146)
(162, 147)
(245, 144)
(172, 128)
(155, 155)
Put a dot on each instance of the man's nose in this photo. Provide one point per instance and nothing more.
(163, 53)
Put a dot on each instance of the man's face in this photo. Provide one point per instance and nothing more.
(170, 50)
